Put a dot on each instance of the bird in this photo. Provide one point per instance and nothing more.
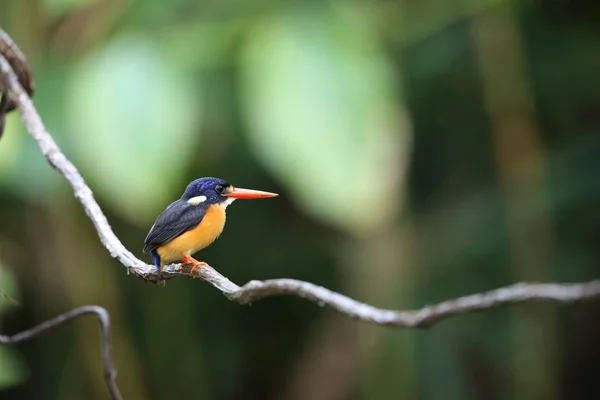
(194, 221)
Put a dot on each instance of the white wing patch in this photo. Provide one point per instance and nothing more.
(197, 200)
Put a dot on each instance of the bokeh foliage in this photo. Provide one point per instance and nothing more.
(423, 150)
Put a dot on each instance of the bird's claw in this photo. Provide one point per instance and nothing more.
(195, 263)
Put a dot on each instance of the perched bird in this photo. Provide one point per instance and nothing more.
(194, 221)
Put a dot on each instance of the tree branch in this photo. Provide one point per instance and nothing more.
(19, 64)
(426, 316)
(256, 290)
(110, 374)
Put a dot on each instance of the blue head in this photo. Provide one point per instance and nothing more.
(211, 188)
(217, 191)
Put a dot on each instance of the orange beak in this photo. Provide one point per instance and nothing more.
(238, 193)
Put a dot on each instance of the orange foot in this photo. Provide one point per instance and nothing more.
(195, 263)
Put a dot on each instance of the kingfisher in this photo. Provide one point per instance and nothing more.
(194, 221)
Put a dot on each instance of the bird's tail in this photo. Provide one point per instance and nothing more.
(157, 262)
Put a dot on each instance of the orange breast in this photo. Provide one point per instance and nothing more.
(196, 239)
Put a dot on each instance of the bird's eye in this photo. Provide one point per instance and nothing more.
(220, 188)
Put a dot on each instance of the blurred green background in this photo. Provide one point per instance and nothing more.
(423, 150)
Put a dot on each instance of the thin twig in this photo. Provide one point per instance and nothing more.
(110, 374)
(256, 290)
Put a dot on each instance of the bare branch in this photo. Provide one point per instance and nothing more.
(110, 374)
(256, 290)
(426, 316)
(19, 64)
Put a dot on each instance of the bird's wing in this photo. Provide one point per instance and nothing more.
(178, 217)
